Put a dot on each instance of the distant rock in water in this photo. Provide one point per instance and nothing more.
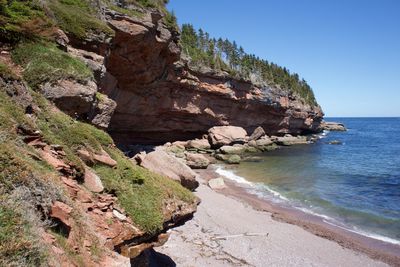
(333, 126)
(335, 142)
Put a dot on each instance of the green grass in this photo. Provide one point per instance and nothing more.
(44, 62)
(140, 192)
(22, 20)
(78, 17)
(126, 11)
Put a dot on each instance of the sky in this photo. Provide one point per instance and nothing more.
(347, 50)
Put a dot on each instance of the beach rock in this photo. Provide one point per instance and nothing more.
(236, 149)
(289, 140)
(230, 159)
(197, 161)
(199, 144)
(333, 126)
(225, 135)
(92, 181)
(233, 159)
(258, 132)
(164, 164)
(217, 183)
(264, 141)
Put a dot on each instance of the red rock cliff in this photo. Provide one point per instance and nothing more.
(160, 99)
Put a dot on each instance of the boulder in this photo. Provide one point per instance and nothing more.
(164, 164)
(234, 159)
(102, 112)
(217, 183)
(62, 212)
(199, 144)
(333, 126)
(92, 181)
(226, 135)
(197, 161)
(289, 140)
(73, 98)
(236, 149)
(91, 158)
(264, 141)
(258, 132)
(230, 159)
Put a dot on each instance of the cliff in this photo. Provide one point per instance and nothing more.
(73, 72)
(160, 98)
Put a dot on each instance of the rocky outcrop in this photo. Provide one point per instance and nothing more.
(333, 126)
(160, 99)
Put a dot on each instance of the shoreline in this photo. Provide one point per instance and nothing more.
(375, 249)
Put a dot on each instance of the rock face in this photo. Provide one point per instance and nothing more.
(160, 162)
(159, 99)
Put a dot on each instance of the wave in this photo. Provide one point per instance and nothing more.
(232, 176)
(367, 234)
(255, 188)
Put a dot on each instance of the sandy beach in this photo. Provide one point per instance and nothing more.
(225, 231)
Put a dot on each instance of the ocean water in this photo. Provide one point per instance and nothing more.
(355, 185)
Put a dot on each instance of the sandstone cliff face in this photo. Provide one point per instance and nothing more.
(159, 98)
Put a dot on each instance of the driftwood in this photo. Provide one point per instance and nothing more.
(238, 235)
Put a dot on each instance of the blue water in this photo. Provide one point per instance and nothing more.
(355, 185)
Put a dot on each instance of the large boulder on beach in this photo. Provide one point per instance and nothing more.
(230, 159)
(289, 140)
(258, 132)
(199, 144)
(226, 135)
(166, 165)
(235, 149)
(197, 161)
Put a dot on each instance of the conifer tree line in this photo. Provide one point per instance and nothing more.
(220, 54)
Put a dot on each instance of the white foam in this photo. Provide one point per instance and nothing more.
(275, 193)
(232, 176)
(258, 188)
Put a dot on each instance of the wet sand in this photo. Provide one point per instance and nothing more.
(235, 228)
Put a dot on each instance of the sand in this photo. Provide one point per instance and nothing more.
(227, 232)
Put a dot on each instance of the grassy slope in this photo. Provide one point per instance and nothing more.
(140, 192)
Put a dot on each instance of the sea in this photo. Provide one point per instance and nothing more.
(354, 185)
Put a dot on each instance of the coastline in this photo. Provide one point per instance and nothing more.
(311, 240)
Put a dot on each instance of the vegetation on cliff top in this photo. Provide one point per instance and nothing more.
(228, 56)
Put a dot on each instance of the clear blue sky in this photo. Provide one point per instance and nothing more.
(347, 50)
